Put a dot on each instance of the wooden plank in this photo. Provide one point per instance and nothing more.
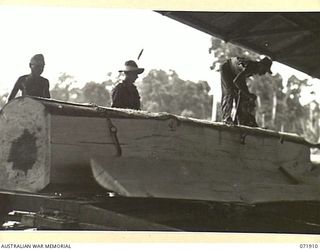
(217, 184)
(79, 130)
(195, 163)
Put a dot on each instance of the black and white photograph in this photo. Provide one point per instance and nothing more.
(138, 120)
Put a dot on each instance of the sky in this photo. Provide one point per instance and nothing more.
(88, 43)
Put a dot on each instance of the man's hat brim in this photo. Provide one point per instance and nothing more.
(136, 70)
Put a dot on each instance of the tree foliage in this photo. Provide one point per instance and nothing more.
(92, 92)
(61, 89)
(223, 51)
(3, 99)
(167, 92)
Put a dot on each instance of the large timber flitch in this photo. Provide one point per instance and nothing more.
(48, 143)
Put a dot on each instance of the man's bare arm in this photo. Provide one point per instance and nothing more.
(14, 90)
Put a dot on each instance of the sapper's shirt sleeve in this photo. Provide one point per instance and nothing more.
(116, 97)
(46, 90)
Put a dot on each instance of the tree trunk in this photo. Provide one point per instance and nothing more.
(274, 109)
(263, 122)
(214, 109)
(259, 115)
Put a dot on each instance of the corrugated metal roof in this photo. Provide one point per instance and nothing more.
(291, 38)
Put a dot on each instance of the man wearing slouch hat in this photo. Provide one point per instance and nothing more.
(125, 94)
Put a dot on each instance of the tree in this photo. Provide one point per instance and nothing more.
(96, 93)
(92, 92)
(312, 124)
(3, 99)
(223, 51)
(268, 89)
(167, 92)
(61, 90)
(294, 114)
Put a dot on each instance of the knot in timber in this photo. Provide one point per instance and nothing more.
(173, 123)
(243, 138)
(23, 152)
(113, 129)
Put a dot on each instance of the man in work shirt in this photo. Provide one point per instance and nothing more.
(32, 84)
(125, 94)
(234, 73)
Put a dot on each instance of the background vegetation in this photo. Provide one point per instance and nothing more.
(279, 106)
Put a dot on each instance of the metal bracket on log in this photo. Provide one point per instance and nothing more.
(112, 129)
(113, 132)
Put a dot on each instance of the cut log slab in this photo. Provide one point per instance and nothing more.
(141, 154)
(203, 163)
(24, 139)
